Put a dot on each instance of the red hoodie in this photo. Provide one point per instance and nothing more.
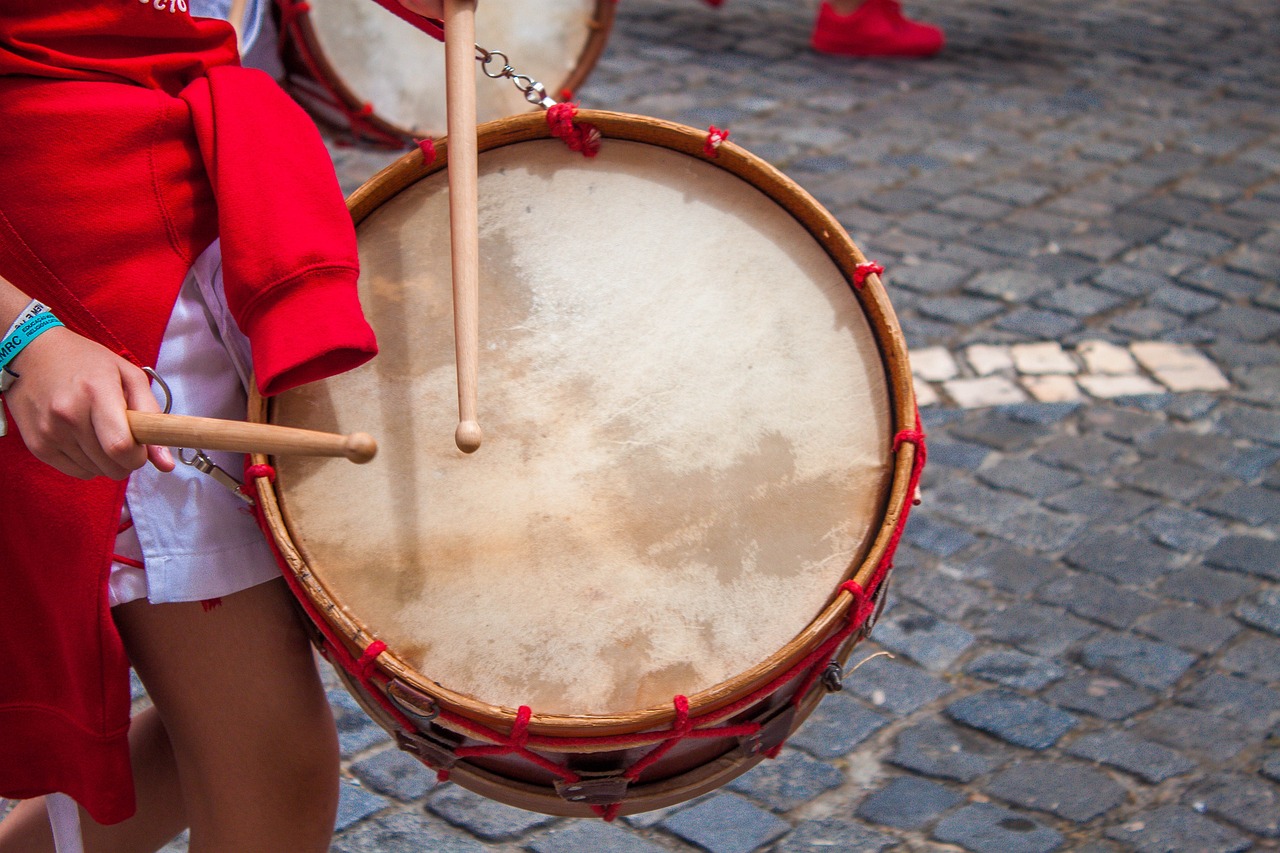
(129, 139)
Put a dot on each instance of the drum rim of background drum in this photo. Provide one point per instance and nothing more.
(871, 296)
(300, 28)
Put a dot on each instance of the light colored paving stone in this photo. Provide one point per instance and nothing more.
(933, 364)
(925, 395)
(1044, 358)
(983, 391)
(1180, 367)
(986, 359)
(1052, 389)
(1104, 357)
(1109, 387)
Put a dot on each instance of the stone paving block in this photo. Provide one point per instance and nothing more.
(1089, 454)
(1013, 718)
(1271, 767)
(1256, 706)
(1010, 285)
(837, 726)
(1256, 657)
(925, 395)
(1101, 504)
(1141, 662)
(785, 782)
(924, 638)
(956, 454)
(1100, 696)
(1071, 791)
(936, 536)
(1149, 761)
(1256, 506)
(1245, 801)
(483, 818)
(1017, 670)
(1052, 389)
(934, 589)
(1195, 732)
(1039, 529)
(1009, 569)
(833, 835)
(943, 751)
(1190, 628)
(1096, 598)
(1185, 301)
(1179, 368)
(1211, 587)
(928, 276)
(356, 732)
(1004, 429)
(726, 823)
(1035, 629)
(1028, 477)
(986, 359)
(897, 687)
(1044, 357)
(933, 364)
(355, 804)
(1247, 555)
(1183, 529)
(1222, 282)
(983, 391)
(1170, 828)
(1244, 322)
(587, 835)
(907, 802)
(1254, 423)
(1131, 281)
(1262, 611)
(396, 774)
(987, 828)
(405, 832)
(1081, 301)
(1177, 481)
(1115, 387)
(1038, 324)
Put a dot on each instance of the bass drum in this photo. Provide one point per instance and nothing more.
(356, 65)
(700, 445)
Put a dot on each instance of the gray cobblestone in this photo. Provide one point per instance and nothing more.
(726, 824)
(486, 819)
(1254, 705)
(1098, 599)
(405, 832)
(1262, 611)
(1195, 732)
(923, 637)
(591, 835)
(1144, 663)
(1206, 586)
(1100, 696)
(1148, 761)
(1190, 629)
(837, 726)
(908, 803)
(1247, 802)
(985, 828)
(1070, 791)
(943, 751)
(897, 687)
(1017, 670)
(1171, 828)
(396, 774)
(787, 781)
(355, 804)
(1013, 718)
(1256, 657)
(832, 835)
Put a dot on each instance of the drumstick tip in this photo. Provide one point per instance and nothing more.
(468, 436)
(360, 447)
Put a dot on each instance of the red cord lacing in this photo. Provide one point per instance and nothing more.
(579, 136)
(861, 271)
(715, 136)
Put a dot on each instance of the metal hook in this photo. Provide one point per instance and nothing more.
(164, 386)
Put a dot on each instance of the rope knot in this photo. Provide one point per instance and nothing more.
(520, 728)
(371, 652)
(255, 471)
(428, 148)
(861, 271)
(715, 137)
(581, 137)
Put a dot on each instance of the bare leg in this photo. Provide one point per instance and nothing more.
(241, 746)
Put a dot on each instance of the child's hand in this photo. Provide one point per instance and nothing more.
(426, 8)
(69, 405)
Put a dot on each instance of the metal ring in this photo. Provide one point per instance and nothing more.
(164, 386)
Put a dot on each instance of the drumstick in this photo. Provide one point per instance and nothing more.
(460, 94)
(215, 434)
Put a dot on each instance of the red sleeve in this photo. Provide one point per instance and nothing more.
(289, 257)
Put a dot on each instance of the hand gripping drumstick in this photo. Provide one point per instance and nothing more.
(215, 434)
(460, 95)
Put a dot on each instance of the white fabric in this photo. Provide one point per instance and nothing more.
(196, 539)
(64, 819)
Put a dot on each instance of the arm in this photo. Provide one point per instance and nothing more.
(69, 404)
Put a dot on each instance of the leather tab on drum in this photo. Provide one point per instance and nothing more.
(437, 755)
(773, 732)
(605, 791)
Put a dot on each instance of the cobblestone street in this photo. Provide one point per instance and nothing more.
(1078, 208)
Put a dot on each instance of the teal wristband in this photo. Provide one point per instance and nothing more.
(18, 339)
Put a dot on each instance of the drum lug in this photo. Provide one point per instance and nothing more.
(603, 791)
(413, 702)
(833, 677)
(438, 756)
(772, 734)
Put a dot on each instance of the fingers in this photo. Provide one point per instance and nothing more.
(138, 397)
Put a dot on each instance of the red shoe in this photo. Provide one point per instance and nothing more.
(876, 28)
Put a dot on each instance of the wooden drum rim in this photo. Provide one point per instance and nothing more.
(598, 36)
(873, 299)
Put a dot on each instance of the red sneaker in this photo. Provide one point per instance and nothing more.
(876, 28)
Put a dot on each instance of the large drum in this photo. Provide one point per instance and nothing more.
(700, 443)
(355, 64)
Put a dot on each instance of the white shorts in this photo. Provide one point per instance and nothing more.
(195, 539)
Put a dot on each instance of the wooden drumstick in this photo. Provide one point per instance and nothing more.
(460, 94)
(242, 437)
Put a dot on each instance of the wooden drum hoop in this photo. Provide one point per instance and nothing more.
(319, 83)
(511, 754)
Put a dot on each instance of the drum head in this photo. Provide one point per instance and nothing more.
(687, 434)
(380, 60)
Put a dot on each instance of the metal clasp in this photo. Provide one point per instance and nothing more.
(205, 465)
(533, 91)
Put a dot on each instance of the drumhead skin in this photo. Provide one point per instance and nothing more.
(375, 58)
(688, 427)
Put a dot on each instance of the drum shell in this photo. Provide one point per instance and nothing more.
(690, 767)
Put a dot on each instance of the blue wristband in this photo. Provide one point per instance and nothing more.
(18, 339)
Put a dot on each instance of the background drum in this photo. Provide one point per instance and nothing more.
(700, 445)
(355, 64)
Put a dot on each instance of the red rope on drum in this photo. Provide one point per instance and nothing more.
(579, 136)
(292, 13)
(861, 271)
(428, 148)
(715, 137)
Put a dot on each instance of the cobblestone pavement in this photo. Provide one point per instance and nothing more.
(1085, 614)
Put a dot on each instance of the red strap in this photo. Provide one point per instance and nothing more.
(861, 271)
